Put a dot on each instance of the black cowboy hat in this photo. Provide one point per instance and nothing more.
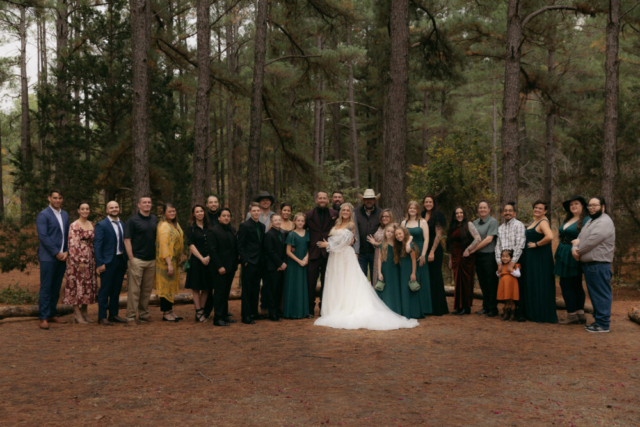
(567, 203)
(264, 195)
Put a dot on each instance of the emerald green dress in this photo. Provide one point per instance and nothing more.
(411, 306)
(566, 265)
(391, 274)
(538, 280)
(296, 296)
(422, 273)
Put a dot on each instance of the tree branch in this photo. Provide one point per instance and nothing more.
(532, 15)
(291, 56)
(629, 10)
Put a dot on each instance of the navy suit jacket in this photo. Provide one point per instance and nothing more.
(105, 243)
(50, 234)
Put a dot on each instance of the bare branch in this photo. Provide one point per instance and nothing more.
(291, 56)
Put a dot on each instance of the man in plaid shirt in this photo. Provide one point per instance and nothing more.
(511, 235)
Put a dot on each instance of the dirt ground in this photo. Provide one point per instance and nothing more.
(450, 370)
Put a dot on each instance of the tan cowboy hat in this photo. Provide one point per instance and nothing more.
(369, 194)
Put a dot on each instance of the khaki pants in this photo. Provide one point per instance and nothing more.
(141, 276)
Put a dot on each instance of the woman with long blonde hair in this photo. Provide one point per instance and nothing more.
(349, 301)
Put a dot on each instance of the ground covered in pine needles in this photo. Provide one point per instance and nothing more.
(448, 371)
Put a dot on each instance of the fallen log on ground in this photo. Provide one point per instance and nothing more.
(634, 314)
(30, 310)
(560, 305)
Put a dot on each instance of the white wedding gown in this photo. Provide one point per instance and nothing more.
(349, 301)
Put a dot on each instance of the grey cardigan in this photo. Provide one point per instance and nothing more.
(597, 240)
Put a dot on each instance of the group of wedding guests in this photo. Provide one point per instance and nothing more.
(286, 253)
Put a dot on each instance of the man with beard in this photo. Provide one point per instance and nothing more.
(594, 249)
(367, 219)
(320, 221)
(337, 199)
(511, 235)
(213, 213)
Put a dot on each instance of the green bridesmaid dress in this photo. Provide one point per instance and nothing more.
(410, 301)
(391, 274)
(539, 280)
(296, 296)
(422, 273)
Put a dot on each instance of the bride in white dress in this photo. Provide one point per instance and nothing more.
(349, 301)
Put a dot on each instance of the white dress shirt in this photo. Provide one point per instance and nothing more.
(119, 232)
(58, 214)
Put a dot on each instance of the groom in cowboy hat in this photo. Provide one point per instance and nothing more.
(367, 221)
(265, 200)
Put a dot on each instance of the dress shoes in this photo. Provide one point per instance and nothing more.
(164, 319)
(117, 319)
(144, 320)
(105, 322)
(248, 321)
(259, 317)
(492, 313)
(274, 318)
(462, 311)
(55, 320)
(220, 323)
(483, 311)
(230, 320)
(44, 324)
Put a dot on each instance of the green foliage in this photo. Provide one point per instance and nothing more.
(15, 295)
(457, 173)
(18, 248)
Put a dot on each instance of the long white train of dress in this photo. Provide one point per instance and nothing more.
(349, 301)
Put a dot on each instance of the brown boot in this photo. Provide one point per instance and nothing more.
(506, 313)
(571, 319)
(582, 318)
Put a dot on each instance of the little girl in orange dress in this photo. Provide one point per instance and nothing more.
(508, 290)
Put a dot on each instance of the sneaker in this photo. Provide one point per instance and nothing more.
(596, 328)
(589, 325)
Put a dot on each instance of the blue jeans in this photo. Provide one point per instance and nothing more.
(51, 275)
(366, 263)
(598, 278)
(110, 287)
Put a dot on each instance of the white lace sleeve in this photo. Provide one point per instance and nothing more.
(340, 241)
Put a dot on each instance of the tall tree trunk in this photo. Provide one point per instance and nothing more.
(396, 126)
(25, 129)
(232, 177)
(510, 105)
(425, 130)
(494, 143)
(317, 110)
(255, 126)
(335, 117)
(140, 41)
(612, 64)
(549, 155)
(201, 140)
(1, 177)
(62, 40)
(443, 115)
(353, 131)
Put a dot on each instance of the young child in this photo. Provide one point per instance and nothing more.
(296, 296)
(508, 286)
(410, 300)
(389, 271)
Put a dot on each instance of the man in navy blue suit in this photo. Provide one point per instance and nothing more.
(53, 231)
(111, 264)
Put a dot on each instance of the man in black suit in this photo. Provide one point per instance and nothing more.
(224, 256)
(213, 213)
(275, 251)
(250, 243)
(320, 221)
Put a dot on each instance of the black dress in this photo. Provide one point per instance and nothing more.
(200, 276)
(438, 296)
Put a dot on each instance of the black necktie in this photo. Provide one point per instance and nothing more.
(120, 240)
(481, 222)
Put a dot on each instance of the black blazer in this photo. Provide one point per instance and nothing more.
(225, 248)
(249, 246)
(275, 249)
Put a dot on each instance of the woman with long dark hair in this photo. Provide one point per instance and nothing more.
(225, 260)
(567, 268)
(463, 237)
(200, 275)
(169, 256)
(537, 268)
(435, 254)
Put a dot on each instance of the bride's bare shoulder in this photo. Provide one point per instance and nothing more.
(351, 227)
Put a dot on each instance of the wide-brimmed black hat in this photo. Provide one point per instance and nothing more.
(264, 195)
(567, 203)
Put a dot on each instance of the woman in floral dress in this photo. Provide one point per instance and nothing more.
(81, 284)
